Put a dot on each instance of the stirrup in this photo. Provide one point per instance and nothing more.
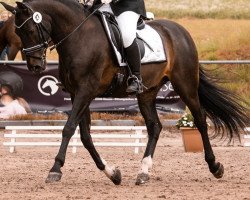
(138, 81)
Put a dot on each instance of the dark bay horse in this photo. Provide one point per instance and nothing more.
(87, 67)
(9, 38)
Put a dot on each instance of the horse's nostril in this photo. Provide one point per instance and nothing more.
(36, 69)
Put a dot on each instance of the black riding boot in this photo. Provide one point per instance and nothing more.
(133, 58)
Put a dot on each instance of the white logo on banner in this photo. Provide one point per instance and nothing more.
(45, 82)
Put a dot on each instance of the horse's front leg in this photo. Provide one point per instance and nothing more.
(80, 103)
(148, 110)
(112, 173)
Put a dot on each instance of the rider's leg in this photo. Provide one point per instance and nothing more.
(134, 62)
(127, 22)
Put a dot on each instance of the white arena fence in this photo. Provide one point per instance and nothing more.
(247, 137)
(109, 139)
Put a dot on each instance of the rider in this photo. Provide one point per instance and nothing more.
(127, 14)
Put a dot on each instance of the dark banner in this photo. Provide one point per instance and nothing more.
(44, 96)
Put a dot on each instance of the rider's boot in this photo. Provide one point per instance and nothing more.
(133, 58)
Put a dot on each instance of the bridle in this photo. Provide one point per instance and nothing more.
(44, 43)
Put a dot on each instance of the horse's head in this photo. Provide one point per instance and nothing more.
(33, 30)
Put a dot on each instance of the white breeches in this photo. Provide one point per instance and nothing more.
(127, 22)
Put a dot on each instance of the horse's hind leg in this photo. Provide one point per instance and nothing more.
(147, 105)
(188, 91)
(113, 174)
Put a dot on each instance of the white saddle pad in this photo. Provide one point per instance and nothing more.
(153, 39)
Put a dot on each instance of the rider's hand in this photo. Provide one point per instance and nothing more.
(106, 1)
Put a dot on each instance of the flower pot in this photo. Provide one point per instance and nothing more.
(192, 140)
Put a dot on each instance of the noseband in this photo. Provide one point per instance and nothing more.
(44, 43)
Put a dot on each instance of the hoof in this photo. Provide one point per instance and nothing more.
(142, 178)
(53, 177)
(220, 171)
(116, 178)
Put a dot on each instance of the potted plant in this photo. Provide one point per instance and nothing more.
(191, 136)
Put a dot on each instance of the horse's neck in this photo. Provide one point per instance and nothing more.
(63, 16)
(3, 40)
(64, 27)
(64, 20)
(10, 29)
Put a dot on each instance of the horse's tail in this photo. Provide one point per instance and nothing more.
(222, 107)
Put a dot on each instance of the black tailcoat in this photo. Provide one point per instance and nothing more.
(120, 6)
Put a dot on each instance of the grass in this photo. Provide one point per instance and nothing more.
(220, 39)
(217, 9)
(235, 78)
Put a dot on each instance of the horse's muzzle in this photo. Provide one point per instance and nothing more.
(36, 62)
(37, 69)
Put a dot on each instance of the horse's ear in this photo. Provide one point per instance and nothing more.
(21, 6)
(9, 8)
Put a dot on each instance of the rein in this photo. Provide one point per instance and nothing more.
(44, 43)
